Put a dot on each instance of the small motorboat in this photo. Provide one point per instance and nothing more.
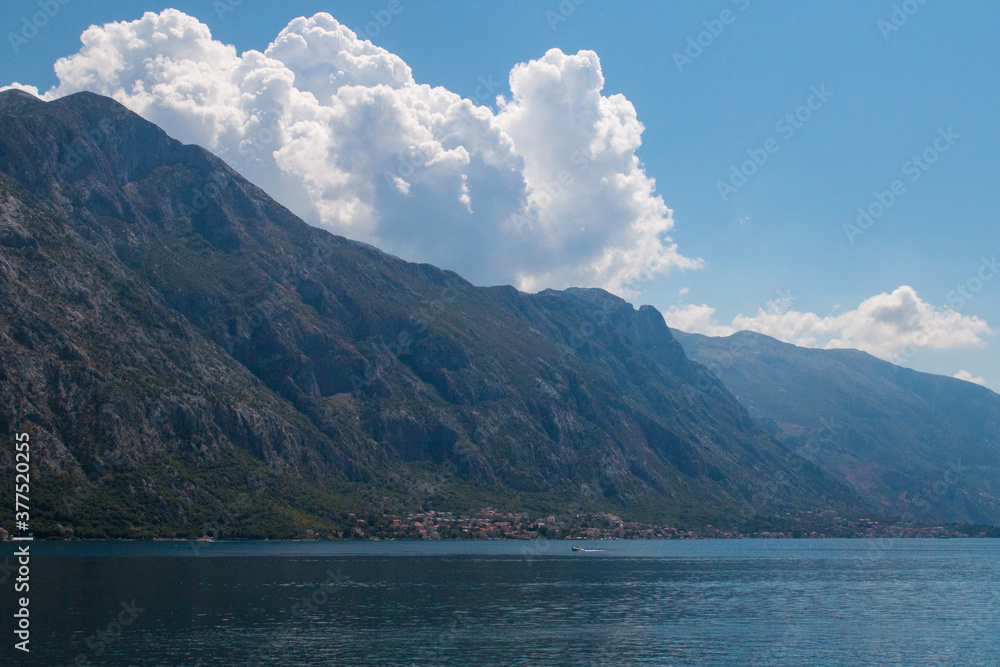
(577, 548)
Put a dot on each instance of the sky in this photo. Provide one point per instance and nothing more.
(824, 174)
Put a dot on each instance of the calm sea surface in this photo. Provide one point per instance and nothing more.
(742, 602)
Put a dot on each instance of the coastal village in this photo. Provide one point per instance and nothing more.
(492, 524)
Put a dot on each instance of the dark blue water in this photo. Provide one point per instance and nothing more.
(799, 602)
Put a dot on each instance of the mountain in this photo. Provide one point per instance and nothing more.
(178, 345)
(922, 446)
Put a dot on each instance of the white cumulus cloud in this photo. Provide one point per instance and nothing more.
(693, 318)
(969, 377)
(883, 325)
(545, 192)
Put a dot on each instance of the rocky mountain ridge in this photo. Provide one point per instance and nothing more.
(182, 348)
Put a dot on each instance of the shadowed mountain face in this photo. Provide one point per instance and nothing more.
(918, 445)
(176, 342)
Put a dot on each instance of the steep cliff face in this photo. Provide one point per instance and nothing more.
(158, 307)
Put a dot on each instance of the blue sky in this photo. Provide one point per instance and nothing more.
(778, 242)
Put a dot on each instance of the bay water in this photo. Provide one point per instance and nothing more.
(704, 602)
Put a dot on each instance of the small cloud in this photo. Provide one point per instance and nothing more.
(696, 319)
(31, 90)
(684, 290)
(882, 325)
(968, 377)
(401, 185)
(784, 301)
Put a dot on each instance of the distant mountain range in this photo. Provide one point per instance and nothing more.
(189, 357)
(923, 446)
